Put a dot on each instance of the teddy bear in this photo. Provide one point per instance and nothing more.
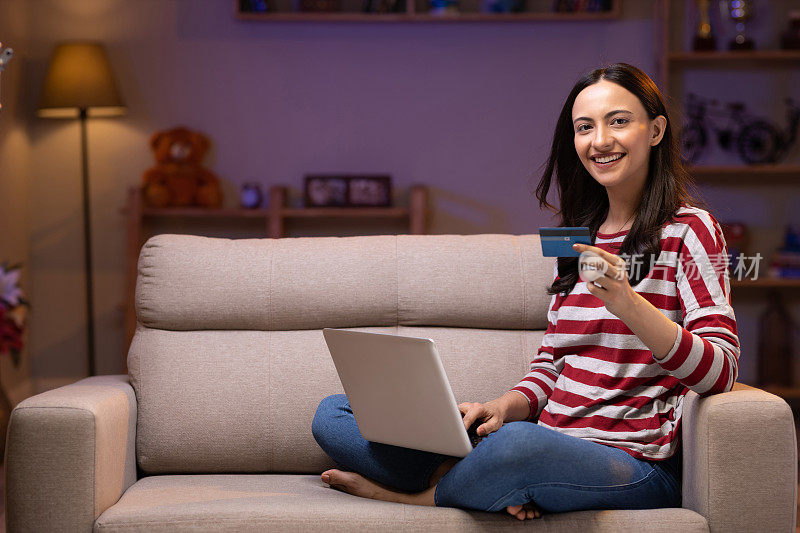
(179, 179)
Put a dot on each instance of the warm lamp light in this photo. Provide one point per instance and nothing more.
(79, 84)
(79, 77)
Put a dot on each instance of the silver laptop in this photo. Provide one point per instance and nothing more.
(398, 391)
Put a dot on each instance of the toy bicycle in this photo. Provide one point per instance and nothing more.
(755, 140)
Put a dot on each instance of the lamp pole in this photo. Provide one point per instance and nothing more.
(87, 243)
(79, 77)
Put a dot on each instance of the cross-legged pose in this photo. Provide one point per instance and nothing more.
(595, 424)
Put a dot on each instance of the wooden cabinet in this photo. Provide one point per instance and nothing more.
(275, 218)
(418, 11)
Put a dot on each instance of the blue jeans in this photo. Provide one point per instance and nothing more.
(518, 463)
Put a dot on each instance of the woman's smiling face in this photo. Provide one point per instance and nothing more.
(611, 123)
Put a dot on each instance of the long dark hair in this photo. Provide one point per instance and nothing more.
(584, 202)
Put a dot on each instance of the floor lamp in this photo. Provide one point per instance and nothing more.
(79, 84)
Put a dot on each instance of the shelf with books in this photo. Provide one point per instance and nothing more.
(426, 17)
(420, 11)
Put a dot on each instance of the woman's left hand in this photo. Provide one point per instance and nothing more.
(612, 286)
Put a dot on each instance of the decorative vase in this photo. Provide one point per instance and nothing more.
(251, 196)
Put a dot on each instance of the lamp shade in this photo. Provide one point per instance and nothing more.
(79, 77)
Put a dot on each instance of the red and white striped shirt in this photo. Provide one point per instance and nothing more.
(594, 379)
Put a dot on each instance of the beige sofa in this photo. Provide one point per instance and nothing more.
(211, 430)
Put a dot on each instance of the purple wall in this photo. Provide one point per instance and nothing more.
(467, 109)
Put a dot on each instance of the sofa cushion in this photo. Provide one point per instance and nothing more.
(243, 401)
(303, 503)
(188, 282)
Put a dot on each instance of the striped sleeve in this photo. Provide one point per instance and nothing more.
(705, 355)
(537, 385)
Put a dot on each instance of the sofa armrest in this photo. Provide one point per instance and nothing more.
(70, 454)
(740, 460)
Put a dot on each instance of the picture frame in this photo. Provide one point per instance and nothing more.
(369, 191)
(325, 191)
(334, 190)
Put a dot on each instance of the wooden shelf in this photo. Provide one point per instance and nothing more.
(787, 393)
(299, 212)
(743, 174)
(427, 17)
(766, 283)
(735, 58)
(346, 212)
(670, 59)
(412, 15)
(203, 212)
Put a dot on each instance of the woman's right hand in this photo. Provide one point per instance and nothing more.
(489, 414)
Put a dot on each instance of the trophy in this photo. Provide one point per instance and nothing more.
(703, 39)
(740, 11)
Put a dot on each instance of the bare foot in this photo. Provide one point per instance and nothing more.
(526, 511)
(358, 485)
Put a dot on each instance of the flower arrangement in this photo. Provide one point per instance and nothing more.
(13, 309)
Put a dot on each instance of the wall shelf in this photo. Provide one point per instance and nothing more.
(735, 58)
(787, 393)
(744, 174)
(414, 14)
(202, 212)
(289, 212)
(766, 283)
(427, 17)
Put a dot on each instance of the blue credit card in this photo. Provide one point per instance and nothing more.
(557, 242)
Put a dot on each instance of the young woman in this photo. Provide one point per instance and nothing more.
(606, 388)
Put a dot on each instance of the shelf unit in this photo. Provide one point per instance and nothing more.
(275, 218)
(417, 12)
(766, 58)
(765, 283)
(747, 174)
(672, 60)
(669, 61)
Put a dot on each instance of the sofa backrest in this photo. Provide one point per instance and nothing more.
(228, 360)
